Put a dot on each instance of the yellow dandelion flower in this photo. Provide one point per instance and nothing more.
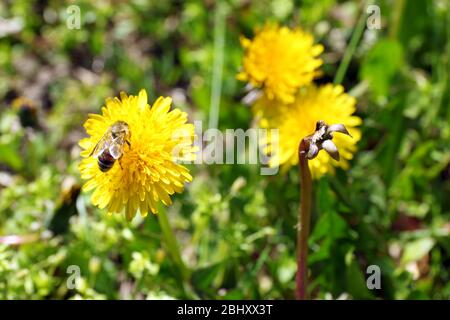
(280, 61)
(147, 170)
(296, 120)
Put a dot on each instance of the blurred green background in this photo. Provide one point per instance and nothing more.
(235, 228)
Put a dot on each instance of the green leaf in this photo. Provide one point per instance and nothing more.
(330, 225)
(381, 64)
(10, 156)
(356, 283)
(204, 278)
(287, 269)
(415, 250)
(330, 228)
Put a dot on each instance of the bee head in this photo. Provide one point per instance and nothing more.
(120, 128)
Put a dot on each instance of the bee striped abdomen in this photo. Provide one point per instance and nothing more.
(105, 161)
(110, 146)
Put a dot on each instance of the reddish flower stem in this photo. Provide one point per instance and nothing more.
(304, 217)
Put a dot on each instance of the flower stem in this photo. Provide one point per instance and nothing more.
(304, 217)
(171, 242)
(174, 251)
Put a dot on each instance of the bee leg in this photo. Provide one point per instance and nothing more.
(120, 163)
(128, 143)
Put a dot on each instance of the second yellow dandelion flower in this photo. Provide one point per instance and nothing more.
(280, 61)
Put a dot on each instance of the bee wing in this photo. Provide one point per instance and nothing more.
(102, 145)
(116, 148)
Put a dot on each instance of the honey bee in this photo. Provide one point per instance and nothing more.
(111, 145)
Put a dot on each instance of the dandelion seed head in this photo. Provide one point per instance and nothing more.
(299, 119)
